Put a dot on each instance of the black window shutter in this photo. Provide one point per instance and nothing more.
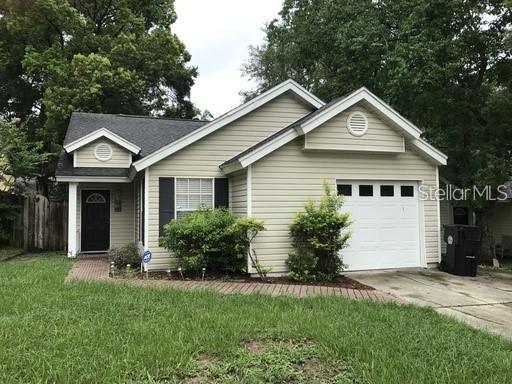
(221, 193)
(165, 202)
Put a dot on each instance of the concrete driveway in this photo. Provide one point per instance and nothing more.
(483, 301)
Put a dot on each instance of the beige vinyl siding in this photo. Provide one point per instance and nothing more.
(238, 193)
(121, 223)
(334, 135)
(84, 157)
(202, 158)
(286, 178)
(502, 221)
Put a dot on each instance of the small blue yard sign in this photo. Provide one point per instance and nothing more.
(146, 256)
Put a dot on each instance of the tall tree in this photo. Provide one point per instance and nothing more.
(20, 161)
(111, 56)
(444, 64)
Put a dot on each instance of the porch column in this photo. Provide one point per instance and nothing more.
(146, 209)
(72, 243)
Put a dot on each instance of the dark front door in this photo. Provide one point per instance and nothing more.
(95, 220)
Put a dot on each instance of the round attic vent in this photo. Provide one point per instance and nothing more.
(103, 152)
(357, 123)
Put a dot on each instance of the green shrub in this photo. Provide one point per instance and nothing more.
(245, 230)
(301, 265)
(318, 236)
(209, 238)
(128, 254)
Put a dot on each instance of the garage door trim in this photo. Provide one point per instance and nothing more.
(406, 181)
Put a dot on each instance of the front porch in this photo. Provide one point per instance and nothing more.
(103, 216)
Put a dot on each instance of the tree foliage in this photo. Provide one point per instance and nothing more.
(444, 64)
(21, 160)
(110, 56)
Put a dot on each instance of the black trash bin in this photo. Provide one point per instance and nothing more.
(462, 249)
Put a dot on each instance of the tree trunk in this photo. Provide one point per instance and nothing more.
(488, 246)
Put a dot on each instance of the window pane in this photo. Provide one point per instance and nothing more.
(344, 189)
(206, 200)
(194, 186)
(181, 201)
(182, 186)
(387, 190)
(366, 190)
(193, 192)
(206, 186)
(193, 201)
(407, 190)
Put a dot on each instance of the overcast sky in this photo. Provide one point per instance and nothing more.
(218, 35)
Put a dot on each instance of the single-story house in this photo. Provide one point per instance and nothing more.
(130, 175)
(460, 212)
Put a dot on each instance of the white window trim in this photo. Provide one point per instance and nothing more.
(176, 210)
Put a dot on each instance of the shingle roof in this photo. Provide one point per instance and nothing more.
(65, 168)
(148, 133)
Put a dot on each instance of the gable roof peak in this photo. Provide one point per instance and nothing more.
(100, 133)
(230, 116)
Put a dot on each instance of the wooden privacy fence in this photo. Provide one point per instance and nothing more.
(41, 225)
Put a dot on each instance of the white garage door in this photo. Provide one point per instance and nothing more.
(386, 226)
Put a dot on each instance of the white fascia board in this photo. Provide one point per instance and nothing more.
(92, 179)
(231, 167)
(436, 155)
(227, 118)
(268, 148)
(102, 132)
(361, 94)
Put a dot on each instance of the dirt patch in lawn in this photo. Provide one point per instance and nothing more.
(255, 346)
(272, 361)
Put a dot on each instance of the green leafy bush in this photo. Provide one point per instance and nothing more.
(210, 238)
(128, 254)
(245, 230)
(318, 235)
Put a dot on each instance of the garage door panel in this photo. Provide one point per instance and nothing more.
(385, 230)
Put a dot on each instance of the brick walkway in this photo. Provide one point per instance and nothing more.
(91, 268)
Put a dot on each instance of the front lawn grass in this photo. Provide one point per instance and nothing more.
(56, 332)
